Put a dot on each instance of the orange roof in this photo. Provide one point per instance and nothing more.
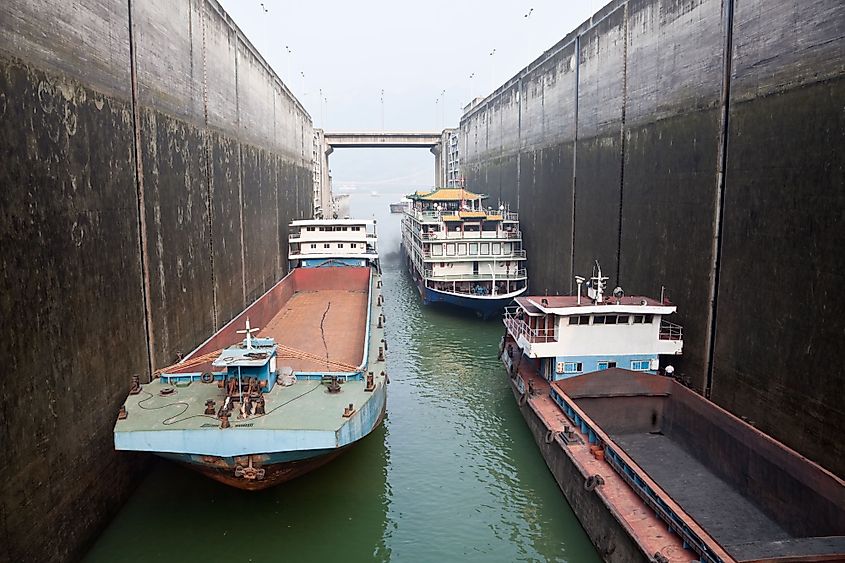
(472, 214)
(451, 218)
(447, 194)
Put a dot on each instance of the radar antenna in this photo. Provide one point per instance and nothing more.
(597, 284)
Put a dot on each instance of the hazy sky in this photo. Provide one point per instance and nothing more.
(352, 50)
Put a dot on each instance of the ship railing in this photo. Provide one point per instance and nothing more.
(474, 235)
(503, 256)
(512, 275)
(516, 325)
(670, 331)
(635, 477)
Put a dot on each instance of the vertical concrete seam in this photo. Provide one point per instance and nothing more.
(139, 190)
(622, 142)
(518, 139)
(208, 193)
(575, 160)
(240, 170)
(718, 215)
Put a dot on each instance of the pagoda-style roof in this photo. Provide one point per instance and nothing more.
(447, 194)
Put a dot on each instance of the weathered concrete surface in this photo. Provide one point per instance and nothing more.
(213, 183)
(610, 144)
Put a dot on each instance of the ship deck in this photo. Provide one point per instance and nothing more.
(327, 323)
(738, 489)
(309, 314)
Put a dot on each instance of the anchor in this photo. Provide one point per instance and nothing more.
(249, 472)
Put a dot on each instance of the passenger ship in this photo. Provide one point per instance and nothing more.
(461, 253)
(309, 385)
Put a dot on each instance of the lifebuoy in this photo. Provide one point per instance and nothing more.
(207, 377)
(522, 400)
(592, 482)
(550, 436)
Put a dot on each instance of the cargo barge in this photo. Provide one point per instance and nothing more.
(654, 471)
(287, 385)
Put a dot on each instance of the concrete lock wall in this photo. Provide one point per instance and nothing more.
(695, 145)
(135, 221)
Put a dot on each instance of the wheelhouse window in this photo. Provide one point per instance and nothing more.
(640, 365)
(579, 320)
(599, 319)
(606, 365)
(309, 228)
(638, 319)
(572, 367)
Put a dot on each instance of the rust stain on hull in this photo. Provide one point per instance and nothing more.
(274, 474)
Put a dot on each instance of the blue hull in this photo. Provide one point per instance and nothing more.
(484, 308)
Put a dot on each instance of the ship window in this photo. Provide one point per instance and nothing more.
(649, 318)
(640, 365)
(437, 249)
(598, 320)
(605, 365)
(450, 249)
(584, 319)
(506, 248)
(485, 248)
(573, 320)
(473, 248)
(340, 245)
(462, 248)
(497, 248)
(309, 228)
(353, 245)
(622, 319)
(313, 245)
(610, 320)
(326, 245)
(638, 319)
(572, 367)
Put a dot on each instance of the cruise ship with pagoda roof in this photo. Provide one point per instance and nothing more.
(462, 253)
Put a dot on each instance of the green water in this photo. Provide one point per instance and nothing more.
(452, 475)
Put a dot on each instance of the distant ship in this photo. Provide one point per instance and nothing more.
(461, 253)
(400, 206)
(255, 410)
(637, 453)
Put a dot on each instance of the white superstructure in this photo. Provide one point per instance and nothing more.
(576, 334)
(313, 242)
